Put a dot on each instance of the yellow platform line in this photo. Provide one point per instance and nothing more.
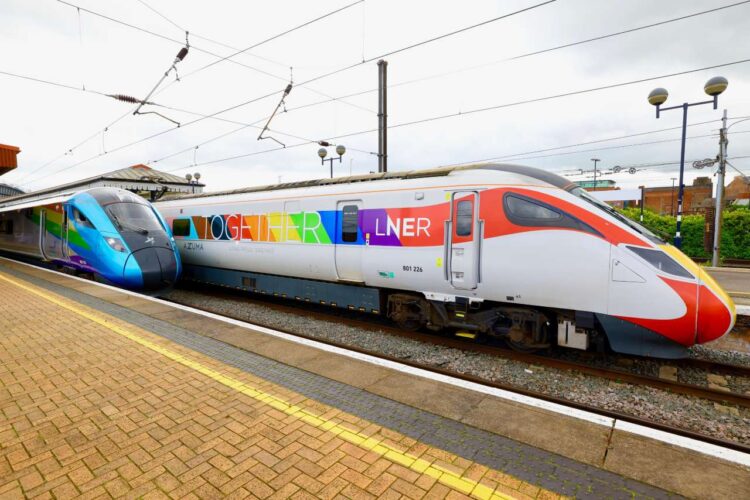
(444, 476)
(739, 294)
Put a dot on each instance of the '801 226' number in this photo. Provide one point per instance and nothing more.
(414, 269)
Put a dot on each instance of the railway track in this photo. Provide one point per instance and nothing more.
(614, 374)
(496, 348)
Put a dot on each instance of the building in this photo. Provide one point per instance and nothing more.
(599, 184)
(696, 198)
(140, 179)
(6, 190)
(738, 190)
(8, 160)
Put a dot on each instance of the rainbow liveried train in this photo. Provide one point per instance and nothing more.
(499, 250)
(109, 234)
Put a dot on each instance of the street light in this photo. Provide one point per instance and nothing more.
(323, 152)
(595, 160)
(189, 177)
(657, 97)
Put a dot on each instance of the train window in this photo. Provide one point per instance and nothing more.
(181, 227)
(6, 226)
(81, 219)
(350, 223)
(527, 209)
(524, 211)
(464, 218)
(661, 261)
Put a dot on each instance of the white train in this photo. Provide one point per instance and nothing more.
(498, 250)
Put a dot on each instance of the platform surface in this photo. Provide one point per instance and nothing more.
(736, 281)
(99, 399)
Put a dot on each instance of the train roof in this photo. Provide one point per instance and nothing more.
(536, 173)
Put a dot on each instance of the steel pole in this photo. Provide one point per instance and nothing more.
(720, 189)
(681, 190)
(382, 116)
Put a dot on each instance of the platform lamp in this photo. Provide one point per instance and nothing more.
(323, 152)
(657, 97)
(190, 177)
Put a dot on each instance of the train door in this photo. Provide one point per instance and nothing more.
(43, 233)
(53, 243)
(349, 241)
(64, 232)
(464, 240)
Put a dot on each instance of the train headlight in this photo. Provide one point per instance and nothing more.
(116, 244)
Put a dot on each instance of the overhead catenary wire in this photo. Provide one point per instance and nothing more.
(474, 110)
(276, 36)
(402, 49)
(151, 33)
(444, 116)
(199, 49)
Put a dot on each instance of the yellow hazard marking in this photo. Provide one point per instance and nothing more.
(739, 294)
(439, 262)
(466, 335)
(447, 477)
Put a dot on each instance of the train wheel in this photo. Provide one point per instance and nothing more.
(407, 311)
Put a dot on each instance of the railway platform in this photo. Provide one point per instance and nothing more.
(107, 393)
(736, 281)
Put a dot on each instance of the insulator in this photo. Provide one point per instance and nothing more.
(181, 54)
(325, 144)
(288, 89)
(125, 98)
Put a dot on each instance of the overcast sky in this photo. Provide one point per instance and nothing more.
(50, 40)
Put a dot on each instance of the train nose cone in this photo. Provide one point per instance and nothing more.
(716, 310)
(158, 267)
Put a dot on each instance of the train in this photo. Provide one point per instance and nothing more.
(487, 250)
(109, 234)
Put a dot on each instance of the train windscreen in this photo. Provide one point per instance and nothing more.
(582, 194)
(133, 217)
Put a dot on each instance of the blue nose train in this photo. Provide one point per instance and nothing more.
(111, 234)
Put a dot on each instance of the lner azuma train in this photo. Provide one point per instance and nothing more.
(111, 234)
(497, 250)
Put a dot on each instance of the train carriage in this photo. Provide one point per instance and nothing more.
(500, 250)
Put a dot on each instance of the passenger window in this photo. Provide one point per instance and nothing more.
(526, 209)
(81, 219)
(464, 218)
(6, 227)
(350, 223)
(181, 227)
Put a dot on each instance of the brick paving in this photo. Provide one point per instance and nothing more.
(145, 424)
(86, 412)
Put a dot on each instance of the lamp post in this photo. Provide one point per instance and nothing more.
(192, 182)
(657, 97)
(595, 160)
(671, 199)
(323, 152)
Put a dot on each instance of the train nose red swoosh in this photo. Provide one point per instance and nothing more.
(716, 311)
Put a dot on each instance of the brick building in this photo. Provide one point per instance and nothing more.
(738, 189)
(663, 200)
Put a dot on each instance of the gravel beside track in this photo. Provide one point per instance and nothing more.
(697, 415)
